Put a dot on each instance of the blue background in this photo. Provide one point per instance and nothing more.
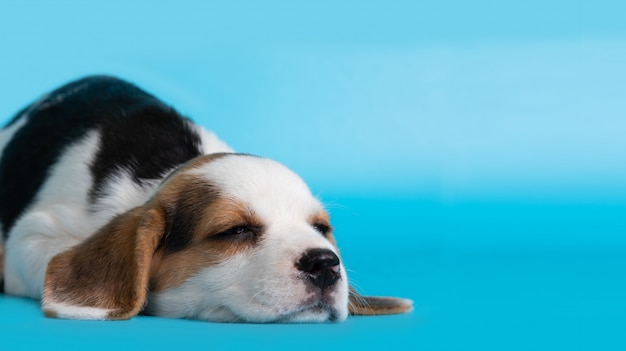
(472, 154)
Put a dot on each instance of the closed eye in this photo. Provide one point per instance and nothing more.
(322, 228)
(240, 232)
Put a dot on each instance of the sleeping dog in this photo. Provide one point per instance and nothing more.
(112, 204)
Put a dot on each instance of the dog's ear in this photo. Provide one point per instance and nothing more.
(106, 276)
(360, 305)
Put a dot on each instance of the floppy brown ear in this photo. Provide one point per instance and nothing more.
(106, 276)
(374, 305)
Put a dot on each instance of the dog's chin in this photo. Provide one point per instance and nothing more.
(313, 313)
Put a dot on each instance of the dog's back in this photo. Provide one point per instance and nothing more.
(108, 127)
(92, 229)
(137, 133)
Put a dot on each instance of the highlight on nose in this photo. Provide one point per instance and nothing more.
(321, 267)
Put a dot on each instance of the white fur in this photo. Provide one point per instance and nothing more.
(210, 142)
(77, 312)
(263, 285)
(57, 220)
(5, 137)
(122, 194)
(260, 285)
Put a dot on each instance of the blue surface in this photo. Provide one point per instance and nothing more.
(471, 153)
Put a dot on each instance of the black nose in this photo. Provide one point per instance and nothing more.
(321, 267)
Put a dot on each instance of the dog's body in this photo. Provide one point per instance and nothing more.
(112, 204)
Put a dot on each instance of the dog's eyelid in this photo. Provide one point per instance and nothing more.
(322, 228)
(240, 231)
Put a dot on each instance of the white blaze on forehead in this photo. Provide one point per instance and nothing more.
(263, 284)
(269, 188)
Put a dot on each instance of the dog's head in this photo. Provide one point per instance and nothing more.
(227, 237)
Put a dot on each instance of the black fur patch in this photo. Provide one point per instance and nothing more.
(184, 215)
(139, 134)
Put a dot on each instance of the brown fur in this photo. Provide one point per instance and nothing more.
(374, 305)
(172, 270)
(210, 214)
(110, 269)
(114, 268)
(322, 217)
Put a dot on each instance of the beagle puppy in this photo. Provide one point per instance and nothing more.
(112, 205)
